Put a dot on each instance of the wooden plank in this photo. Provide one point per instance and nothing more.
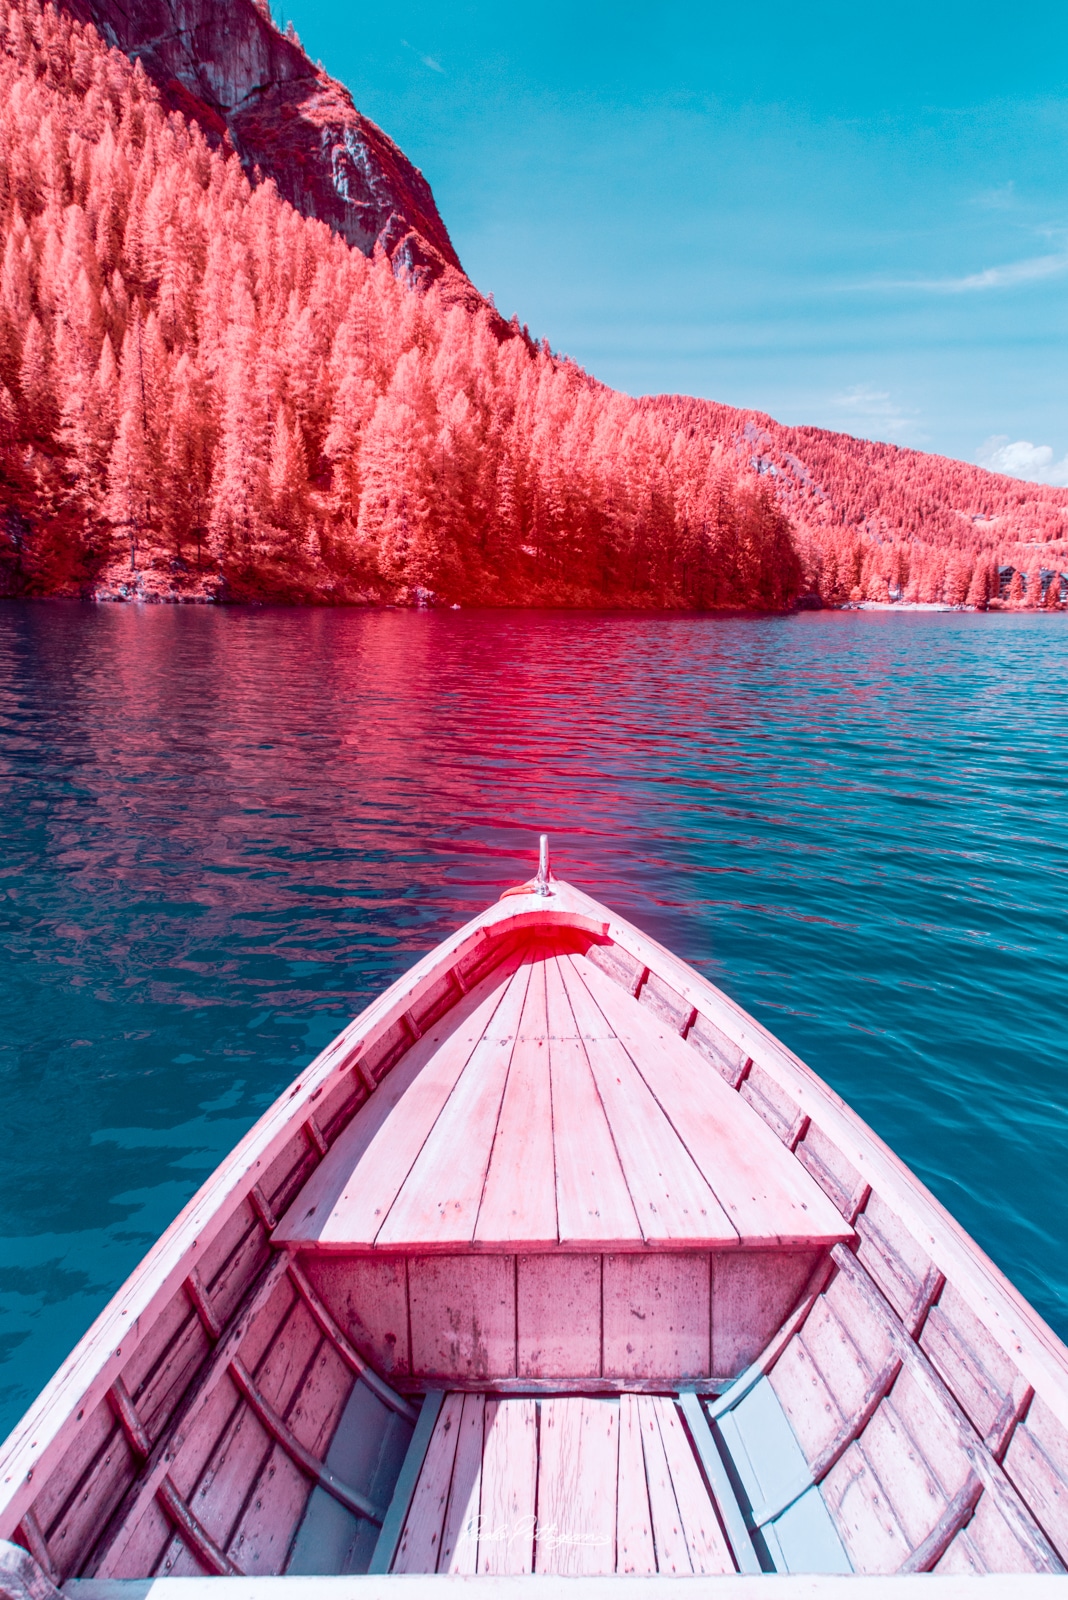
(404, 1490)
(558, 1316)
(1037, 1463)
(347, 1198)
(439, 1200)
(519, 1200)
(911, 1489)
(578, 1468)
(463, 1316)
(367, 1296)
(283, 1364)
(420, 1543)
(260, 1542)
(672, 1201)
(970, 1362)
(509, 1485)
(459, 1538)
(809, 1405)
(672, 1551)
(635, 1551)
(708, 1549)
(715, 1471)
(656, 1315)
(862, 1516)
(316, 1408)
(753, 1292)
(767, 1196)
(592, 1199)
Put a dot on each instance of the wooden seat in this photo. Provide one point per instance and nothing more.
(549, 1110)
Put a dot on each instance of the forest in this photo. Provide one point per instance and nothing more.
(206, 395)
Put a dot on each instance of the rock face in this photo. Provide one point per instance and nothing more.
(225, 64)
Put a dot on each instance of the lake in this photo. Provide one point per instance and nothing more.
(223, 831)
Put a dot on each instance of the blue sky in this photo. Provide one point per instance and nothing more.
(852, 215)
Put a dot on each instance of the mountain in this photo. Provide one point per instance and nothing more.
(224, 65)
(239, 360)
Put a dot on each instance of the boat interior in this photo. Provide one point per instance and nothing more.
(558, 1278)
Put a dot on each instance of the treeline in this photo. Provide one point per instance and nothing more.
(873, 521)
(204, 393)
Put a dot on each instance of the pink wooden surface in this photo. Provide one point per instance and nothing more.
(420, 1543)
(459, 1539)
(368, 1299)
(753, 1292)
(439, 1200)
(519, 1201)
(672, 1551)
(463, 1315)
(346, 1200)
(261, 1540)
(656, 1315)
(672, 1201)
(509, 1487)
(592, 1199)
(577, 1475)
(866, 1523)
(705, 1542)
(558, 1316)
(635, 1551)
(763, 1190)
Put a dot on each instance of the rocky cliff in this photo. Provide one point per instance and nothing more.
(225, 64)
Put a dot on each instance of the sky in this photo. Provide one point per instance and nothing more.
(849, 215)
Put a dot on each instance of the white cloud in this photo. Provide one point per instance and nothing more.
(1013, 273)
(864, 404)
(1022, 459)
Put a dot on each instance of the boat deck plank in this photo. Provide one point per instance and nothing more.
(766, 1194)
(519, 1199)
(509, 1487)
(592, 1198)
(671, 1198)
(581, 1118)
(577, 1482)
(420, 1542)
(459, 1539)
(349, 1196)
(439, 1199)
(635, 1551)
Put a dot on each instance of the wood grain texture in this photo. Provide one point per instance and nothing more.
(635, 1551)
(672, 1201)
(593, 1202)
(656, 1315)
(463, 1315)
(459, 1538)
(367, 1295)
(519, 1200)
(509, 1487)
(707, 1547)
(762, 1189)
(439, 1200)
(672, 1550)
(420, 1543)
(558, 1316)
(348, 1197)
(578, 1464)
(753, 1291)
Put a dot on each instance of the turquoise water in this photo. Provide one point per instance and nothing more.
(222, 831)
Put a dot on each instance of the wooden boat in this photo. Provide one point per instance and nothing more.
(554, 1262)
